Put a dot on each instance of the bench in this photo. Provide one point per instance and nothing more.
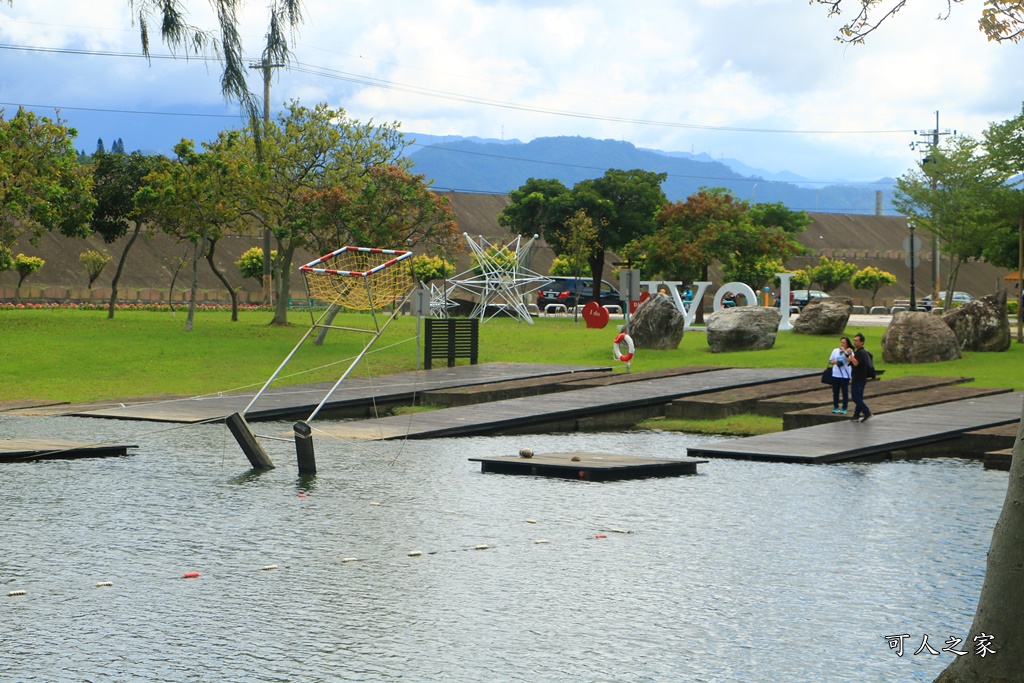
(299, 302)
(451, 338)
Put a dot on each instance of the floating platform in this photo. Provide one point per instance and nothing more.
(589, 466)
(26, 450)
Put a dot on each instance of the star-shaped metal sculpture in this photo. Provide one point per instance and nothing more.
(499, 278)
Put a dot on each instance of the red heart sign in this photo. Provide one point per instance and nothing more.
(595, 315)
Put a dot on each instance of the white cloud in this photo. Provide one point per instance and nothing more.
(756, 64)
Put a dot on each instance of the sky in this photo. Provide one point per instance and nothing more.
(761, 81)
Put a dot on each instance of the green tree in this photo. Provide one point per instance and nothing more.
(305, 152)
(42, 185)
(250, 265)
(622, 204)
(116, 180)
(94, 263)
(957, 195)
(27, 265)
(197, 199)
(872, 279)
(830, 273)
(426, 268)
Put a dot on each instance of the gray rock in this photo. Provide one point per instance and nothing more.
(657, 324)
(824, 316)
(918, 337)
(982, 324)
(745, 328)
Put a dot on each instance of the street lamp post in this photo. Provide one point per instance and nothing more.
(913, 301)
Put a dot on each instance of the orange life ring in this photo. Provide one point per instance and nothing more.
(624, 357)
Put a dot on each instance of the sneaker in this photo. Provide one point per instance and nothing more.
(835, 410)
(866, 418)
(855, 418)
(843, 411)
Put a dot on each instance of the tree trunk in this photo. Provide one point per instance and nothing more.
(332, 312)
(120, 269)
(284, 255)
(596, 261)
(197, 254)
(220, 276)
(1002, 593)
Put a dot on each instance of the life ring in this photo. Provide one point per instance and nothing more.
(624, 357)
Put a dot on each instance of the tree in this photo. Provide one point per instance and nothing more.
(622, 204)
(956, 195)
(1001, 20)
(27, 265)
(250, 265)
(307, 151)
(581, 237)
(197, 199)
(426, 268)
(830, 273)
(116, 180)
(43, 186)
(94, 262)
(872, 279)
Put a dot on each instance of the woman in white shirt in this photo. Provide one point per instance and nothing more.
(840, 362)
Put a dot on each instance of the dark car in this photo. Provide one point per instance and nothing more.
(799, 298)
(570, 291)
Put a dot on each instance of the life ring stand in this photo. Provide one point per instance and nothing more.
(619, 355)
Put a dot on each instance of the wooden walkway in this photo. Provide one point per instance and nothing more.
(356, 395)
(879, 436)
(578, 410)
(25, 450)
(589, 466)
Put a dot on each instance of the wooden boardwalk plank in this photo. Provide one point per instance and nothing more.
(541, 413)
(358, 394)
(889, 403)
(24, 450)
(880, 435)
(780, 405)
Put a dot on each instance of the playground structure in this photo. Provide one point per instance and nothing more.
(500, 279)
(354, 278)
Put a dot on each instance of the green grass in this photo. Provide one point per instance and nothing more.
(74, 355)
(737, 425)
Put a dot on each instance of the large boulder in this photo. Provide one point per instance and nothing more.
(657, 324)
(918, 337)
(982, 324)
(746, 328)
(824, 316)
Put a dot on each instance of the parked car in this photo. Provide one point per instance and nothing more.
(571, 291)
(959, 299)
(801, 297)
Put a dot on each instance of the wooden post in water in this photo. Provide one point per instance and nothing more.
(258, 457)
(304, 448)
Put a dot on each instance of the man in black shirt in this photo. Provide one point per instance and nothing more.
(862, 368)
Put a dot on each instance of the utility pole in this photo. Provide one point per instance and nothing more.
(928, 142)
(268, 286)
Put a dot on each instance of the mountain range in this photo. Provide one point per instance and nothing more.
(469, 164)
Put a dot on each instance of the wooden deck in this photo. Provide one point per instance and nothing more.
(878, 437)
(26, 450)
(357, 396)
(601, 407)
(589, 466)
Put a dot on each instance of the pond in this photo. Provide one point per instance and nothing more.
(744, 572)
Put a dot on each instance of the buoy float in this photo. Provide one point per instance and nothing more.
(415, 553)
(482, 546)
(540, 541)
(619, 355)
(269, 567)
(13, 594)
(374, 503)
(531, 521)
(303, 495)
(104, 584)
(600, 536)
(350, 559)
(190, 575)
(525, 453)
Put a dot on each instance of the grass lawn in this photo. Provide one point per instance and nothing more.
(74, 355)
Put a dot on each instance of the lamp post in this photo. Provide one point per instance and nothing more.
(913, 301)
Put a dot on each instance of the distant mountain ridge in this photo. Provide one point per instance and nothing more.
(500, 166)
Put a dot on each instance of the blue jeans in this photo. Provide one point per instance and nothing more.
(857, 391)
(840, 384)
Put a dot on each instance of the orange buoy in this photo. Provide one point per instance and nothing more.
(190, 575)
(600, 536)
